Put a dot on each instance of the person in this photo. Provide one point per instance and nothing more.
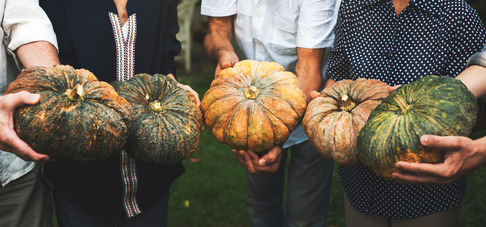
(294, 34)
(462, 154)
(27, 40)
(114, 40)
(397, 42)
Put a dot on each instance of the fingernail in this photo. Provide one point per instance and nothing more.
(242, 152)
(34, 97)
(262, 162)
(425, 139)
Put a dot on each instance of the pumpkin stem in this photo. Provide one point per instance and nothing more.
(156, 106)
(346, 103)
(404, 106)
(75, 94)
(251, 92)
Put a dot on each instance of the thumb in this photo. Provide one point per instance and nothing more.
(21, 98)
(270, 157)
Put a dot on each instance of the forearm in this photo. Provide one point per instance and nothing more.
(480, 145)
(474, 77)
(218, 39)
(309, 69)
(39, 53)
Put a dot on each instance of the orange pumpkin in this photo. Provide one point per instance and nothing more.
(253, 105)
(333, 120)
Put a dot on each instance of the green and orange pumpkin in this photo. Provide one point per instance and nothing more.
(253, 105)
(436, 105)
(166, 121)
(333, 120)
(79, 118)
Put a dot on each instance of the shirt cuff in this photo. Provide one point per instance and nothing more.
(478, 59)
(30, 33)
(218, 11)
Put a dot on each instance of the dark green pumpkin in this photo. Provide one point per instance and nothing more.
(431, 105)
(78, 118)
(166, 119)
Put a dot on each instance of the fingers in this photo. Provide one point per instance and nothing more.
(443, 142)
(424, 173)
(314, 94)
(171, 76)
(225, 64)
(9, 141)
(421, 169)
(226, 60)
(11, 101)
(250, 161)
(244, 159)
(392, 88)
(406, 178)
(271, 156)
(12, 143)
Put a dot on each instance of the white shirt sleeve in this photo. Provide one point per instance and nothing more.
(219, 8)
(24, 21)
(316, 23)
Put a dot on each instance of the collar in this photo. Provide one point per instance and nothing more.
(432, 7)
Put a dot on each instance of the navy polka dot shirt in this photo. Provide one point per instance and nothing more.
(429, 37)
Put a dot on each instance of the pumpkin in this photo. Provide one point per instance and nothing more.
(79, 118)
(166, 121)
(436, 105)
(333, 120)
(253, 105)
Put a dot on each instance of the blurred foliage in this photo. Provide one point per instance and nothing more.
(480, 6)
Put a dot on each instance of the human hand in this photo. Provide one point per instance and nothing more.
(226, 59)
(266, 164)
(462, 156)
(9, 141)
(392, 88)
(187, 87)
(314, 94)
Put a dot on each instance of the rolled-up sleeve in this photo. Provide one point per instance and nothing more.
(219, 8)
(478, 58)
(316, 22)
(24, 22)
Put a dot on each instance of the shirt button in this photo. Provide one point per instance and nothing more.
(258, 15)
(258, 43)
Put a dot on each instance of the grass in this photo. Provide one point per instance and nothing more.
(212, 192)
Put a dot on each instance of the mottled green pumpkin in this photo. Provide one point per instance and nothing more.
(253, 105)
(333, 120)
(166, 119)
(78, 118)
(431, 105)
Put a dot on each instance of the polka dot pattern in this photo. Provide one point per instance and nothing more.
(427, 38)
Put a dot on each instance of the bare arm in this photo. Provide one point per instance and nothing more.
(218, 42)
(309, 69)
(39, 53)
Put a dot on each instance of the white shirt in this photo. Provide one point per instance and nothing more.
(271, 30)
(23, 21)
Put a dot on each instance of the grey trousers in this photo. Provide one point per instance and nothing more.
(308, 183)
(26, 201)
(446, 218)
